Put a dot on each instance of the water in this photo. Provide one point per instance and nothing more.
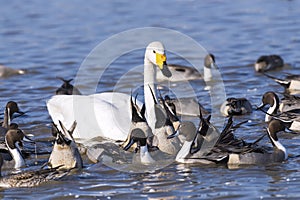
(50, 39)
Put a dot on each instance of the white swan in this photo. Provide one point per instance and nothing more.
(108, 114)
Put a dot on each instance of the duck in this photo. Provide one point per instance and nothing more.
(268, 62)
(30, 178)
(7, 71)
(236, 106)
(12, 153)
(186, 73)
(10, 108)
(140, 136)
(290, 117)
(65, 152)
(171, 126)
(67, 88)
(108, 114)
(291, 82)
(185, 106)
(228, 149)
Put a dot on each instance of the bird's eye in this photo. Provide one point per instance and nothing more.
(154, 51)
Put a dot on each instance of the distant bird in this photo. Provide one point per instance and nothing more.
(187, 73)
(7, 71)
(236, 106)
(67, 88)
(268, 62)
(10, 108)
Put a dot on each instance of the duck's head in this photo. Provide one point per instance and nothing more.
(261, 63)
(269, 98)
(15, 137)
(138, 136)
(12, 107)
(209, 61)
(155, 54)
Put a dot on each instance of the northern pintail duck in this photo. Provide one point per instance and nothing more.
(228, 149)
(291, 117)
(291, 82)
(7, 71)
(170, 127)
(185, 106)
(65, 152)
(29, 178)
(10, 108)
(112, 112)
(185, 73)
(67, 88)
(268, 62)
(13, 141)
(141, 135)
(236, 106)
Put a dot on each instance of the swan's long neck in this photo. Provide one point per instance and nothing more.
(150, 80)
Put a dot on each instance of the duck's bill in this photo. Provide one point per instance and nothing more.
(130, 143)
(174, 134)
(20, 113)
(260, 106)
(27, 139)
(214, 66)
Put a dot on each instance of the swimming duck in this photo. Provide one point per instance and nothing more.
(230, 150)
(291, 82)
(65, 152)
(185, 73)
(10, 108)
(236, 106)
(67, 88)
(14, 156)
(185, 106)
(108, 114)
(7, 71)
(29, 178)
(268, 62)
(141, 135)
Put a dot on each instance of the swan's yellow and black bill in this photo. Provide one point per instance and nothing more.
(161, 62)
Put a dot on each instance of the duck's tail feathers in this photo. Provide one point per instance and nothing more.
(282, 82)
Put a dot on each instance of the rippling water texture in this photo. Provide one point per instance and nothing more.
(52, 38)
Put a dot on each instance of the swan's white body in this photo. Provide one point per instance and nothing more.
(108, 114)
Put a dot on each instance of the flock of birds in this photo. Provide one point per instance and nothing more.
(151, 126)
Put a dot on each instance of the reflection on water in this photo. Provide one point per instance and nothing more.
(52, 39)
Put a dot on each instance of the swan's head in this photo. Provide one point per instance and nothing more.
(155, 54)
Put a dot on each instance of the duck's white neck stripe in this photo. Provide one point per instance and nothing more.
(207, 74)
(19, 161)
(279, 146)
(145, 155)
(271, 111)
(184, 151)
